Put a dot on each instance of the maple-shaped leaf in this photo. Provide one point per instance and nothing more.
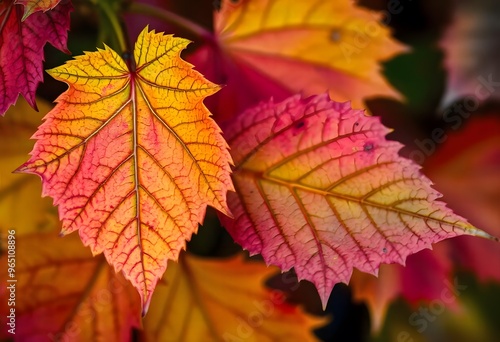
(63, 293)
(320, 189)
(21, 48)
(281, 47)
(223, 300)
(131, 156)
(19, 192)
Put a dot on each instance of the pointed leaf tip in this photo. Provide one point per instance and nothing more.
(319, 188)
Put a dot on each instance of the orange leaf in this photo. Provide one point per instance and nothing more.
(282, 47)
(19, 194)
(131, 156)
(223, 300)
(320, 189)
(62, 293)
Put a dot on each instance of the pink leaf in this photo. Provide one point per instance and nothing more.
(320, 189)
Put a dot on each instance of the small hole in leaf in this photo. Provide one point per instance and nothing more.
(368, 147)
(299, 124)
(384, 250)
(335, 35)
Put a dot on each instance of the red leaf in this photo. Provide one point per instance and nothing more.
(21, 48)
(466, 169)
(320, 189)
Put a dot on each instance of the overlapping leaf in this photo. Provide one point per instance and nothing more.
(20, 194)
(223, 300)
(466, 168)
(282, 47)
(65, 294)
(32, 6)
(21, 48)
(131, 156)
(320, 189)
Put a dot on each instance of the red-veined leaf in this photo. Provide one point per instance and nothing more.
(131, 156)
(320, 189)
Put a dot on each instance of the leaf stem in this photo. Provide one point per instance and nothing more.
(115, 24)
(172, 18)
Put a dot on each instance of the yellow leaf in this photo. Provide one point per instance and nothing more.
(21, 207)
(223, 300)
(131, 156)
(310, 46)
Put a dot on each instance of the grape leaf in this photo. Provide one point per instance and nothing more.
(65, 294)
(278, 48)
(21, 48)
(19, 192)
(320, 189)
(223, 300)
(131, 156)
(32, 6)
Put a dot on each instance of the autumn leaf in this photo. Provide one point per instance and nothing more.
(223, 300)
(32, 6)
(320, 189)
(21, 48)
(466, 169)
(65, 294)
(471, 51)
(20, 194)
(131, 156)
(278, 48)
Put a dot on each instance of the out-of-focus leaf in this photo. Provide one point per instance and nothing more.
(63, 293)
(21, 207)
(466, 169)
(21, 48)
(132, 157)
(320, 189)
(472, 50)
(223, 300)
(278, 48)
(424, 277)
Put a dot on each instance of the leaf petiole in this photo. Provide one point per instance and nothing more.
(172, 18)
(115, 24)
